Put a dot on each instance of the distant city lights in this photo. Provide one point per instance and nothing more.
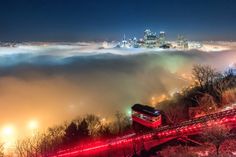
(9, 133)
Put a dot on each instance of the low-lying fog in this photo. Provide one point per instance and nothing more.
(53, 83)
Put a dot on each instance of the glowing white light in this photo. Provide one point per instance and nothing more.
(8, 130)
(8, 137)
(129, 112)
(33, 124)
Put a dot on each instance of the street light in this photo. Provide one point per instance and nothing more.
(8, 137)
(7, 131)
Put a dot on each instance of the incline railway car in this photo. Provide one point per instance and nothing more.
(146, 116)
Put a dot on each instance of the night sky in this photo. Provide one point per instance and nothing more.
(98, 20)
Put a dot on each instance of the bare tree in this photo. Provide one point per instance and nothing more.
(204, 75)
(41, 144)
(29, 147)
(51, 140)
(216, 135)
(94, 124)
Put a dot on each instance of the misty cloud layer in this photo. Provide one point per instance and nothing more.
(53, 86)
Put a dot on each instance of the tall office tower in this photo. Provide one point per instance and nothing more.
(162, 38)
(150, 38)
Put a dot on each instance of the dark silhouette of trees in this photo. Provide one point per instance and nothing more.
(212, 82)
(92, 126)
(211, 91)
(106, 130)
(83, 131)
(205, 76)
(71, 134)
(76, 132)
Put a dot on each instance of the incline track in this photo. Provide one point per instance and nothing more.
(161, 134)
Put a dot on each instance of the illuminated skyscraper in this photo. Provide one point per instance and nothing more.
(124, 42)
(150, 38)
(147, 33)
(162, 38)
(182, 42)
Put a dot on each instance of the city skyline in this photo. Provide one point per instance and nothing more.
(41, 20)
(117, 78)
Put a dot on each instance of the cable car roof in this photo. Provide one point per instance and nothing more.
(146, 109)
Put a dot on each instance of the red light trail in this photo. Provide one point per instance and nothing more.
(189, 127)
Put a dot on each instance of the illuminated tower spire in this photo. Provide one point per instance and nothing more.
(124, 42)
